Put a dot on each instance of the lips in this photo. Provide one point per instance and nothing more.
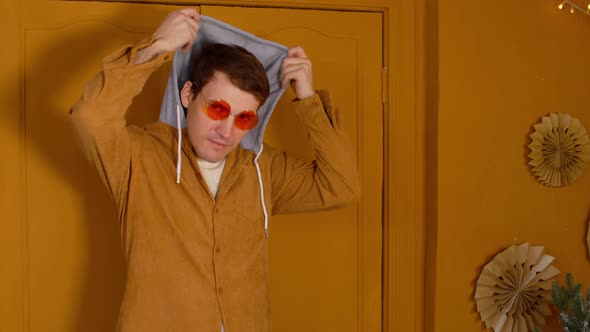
(218, 145)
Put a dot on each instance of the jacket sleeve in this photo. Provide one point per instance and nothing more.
(98, 117)
(329, 180)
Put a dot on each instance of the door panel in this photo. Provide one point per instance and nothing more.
(73, 275)
(325, 267)
(10, 239)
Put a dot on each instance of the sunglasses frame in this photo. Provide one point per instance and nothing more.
(210, 102)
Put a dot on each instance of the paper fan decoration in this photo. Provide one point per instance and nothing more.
(513, 291)
(560, 149)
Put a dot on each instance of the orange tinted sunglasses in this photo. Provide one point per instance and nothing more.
(219, 109)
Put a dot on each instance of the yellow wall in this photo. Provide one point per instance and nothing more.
(501, 66)
(491, 70)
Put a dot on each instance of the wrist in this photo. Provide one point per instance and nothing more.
(305, 95)
(148, 53)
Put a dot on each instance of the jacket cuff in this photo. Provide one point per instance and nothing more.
(320, 101)
(126, 55)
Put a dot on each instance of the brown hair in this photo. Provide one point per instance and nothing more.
(243, 69)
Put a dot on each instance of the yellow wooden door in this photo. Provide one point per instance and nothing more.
(325, 267)
(62, 269)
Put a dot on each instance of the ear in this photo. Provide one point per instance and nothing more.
(186, 94)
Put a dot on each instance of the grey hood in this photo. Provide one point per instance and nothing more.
(270, 54)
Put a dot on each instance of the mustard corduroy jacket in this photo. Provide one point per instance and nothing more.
(194, 261)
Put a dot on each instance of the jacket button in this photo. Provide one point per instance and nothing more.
(220, 290)
(218, 250)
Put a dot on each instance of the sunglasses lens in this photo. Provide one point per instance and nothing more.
(218, 110)
(246, 120)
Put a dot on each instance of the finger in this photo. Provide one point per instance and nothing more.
(190, 12)
(194, 25)
(195, 33)
(191, 27)
(285, 79)
(187, 46)
(289, 76)
(303, 68)
(295, 61)
(296, 51)
(191, 38)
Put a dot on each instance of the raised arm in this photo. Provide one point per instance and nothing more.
(329, 180)
(177, 31)
(98, 117)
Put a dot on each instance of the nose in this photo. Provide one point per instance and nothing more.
(224, 127)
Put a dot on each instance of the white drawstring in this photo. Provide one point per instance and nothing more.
(179, 168)
(179, 156)
(262, 190)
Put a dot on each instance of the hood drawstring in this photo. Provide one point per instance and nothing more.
(179, 152)
(261, 190)
(179, 168)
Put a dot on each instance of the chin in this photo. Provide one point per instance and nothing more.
(213, 157)
(214, 160)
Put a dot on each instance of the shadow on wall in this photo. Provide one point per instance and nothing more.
(58, 60)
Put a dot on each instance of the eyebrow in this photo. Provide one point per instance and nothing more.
(231, 109)
(220, 99)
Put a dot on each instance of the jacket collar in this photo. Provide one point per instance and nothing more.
(234, 164)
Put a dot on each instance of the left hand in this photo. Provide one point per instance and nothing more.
(296, 69)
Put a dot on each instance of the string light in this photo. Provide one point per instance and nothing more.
(574, 7)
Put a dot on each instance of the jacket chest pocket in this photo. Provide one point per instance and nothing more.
(247, 203)
(246, 196)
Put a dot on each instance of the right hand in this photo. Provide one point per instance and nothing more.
(178, 30)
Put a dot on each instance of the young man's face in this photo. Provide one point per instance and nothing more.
(213, 140)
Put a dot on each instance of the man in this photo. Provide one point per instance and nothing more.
(195, 245)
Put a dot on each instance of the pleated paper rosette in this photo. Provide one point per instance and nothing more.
(560, 149)
(513, 291)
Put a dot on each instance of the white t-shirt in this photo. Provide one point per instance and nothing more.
(211, 173)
